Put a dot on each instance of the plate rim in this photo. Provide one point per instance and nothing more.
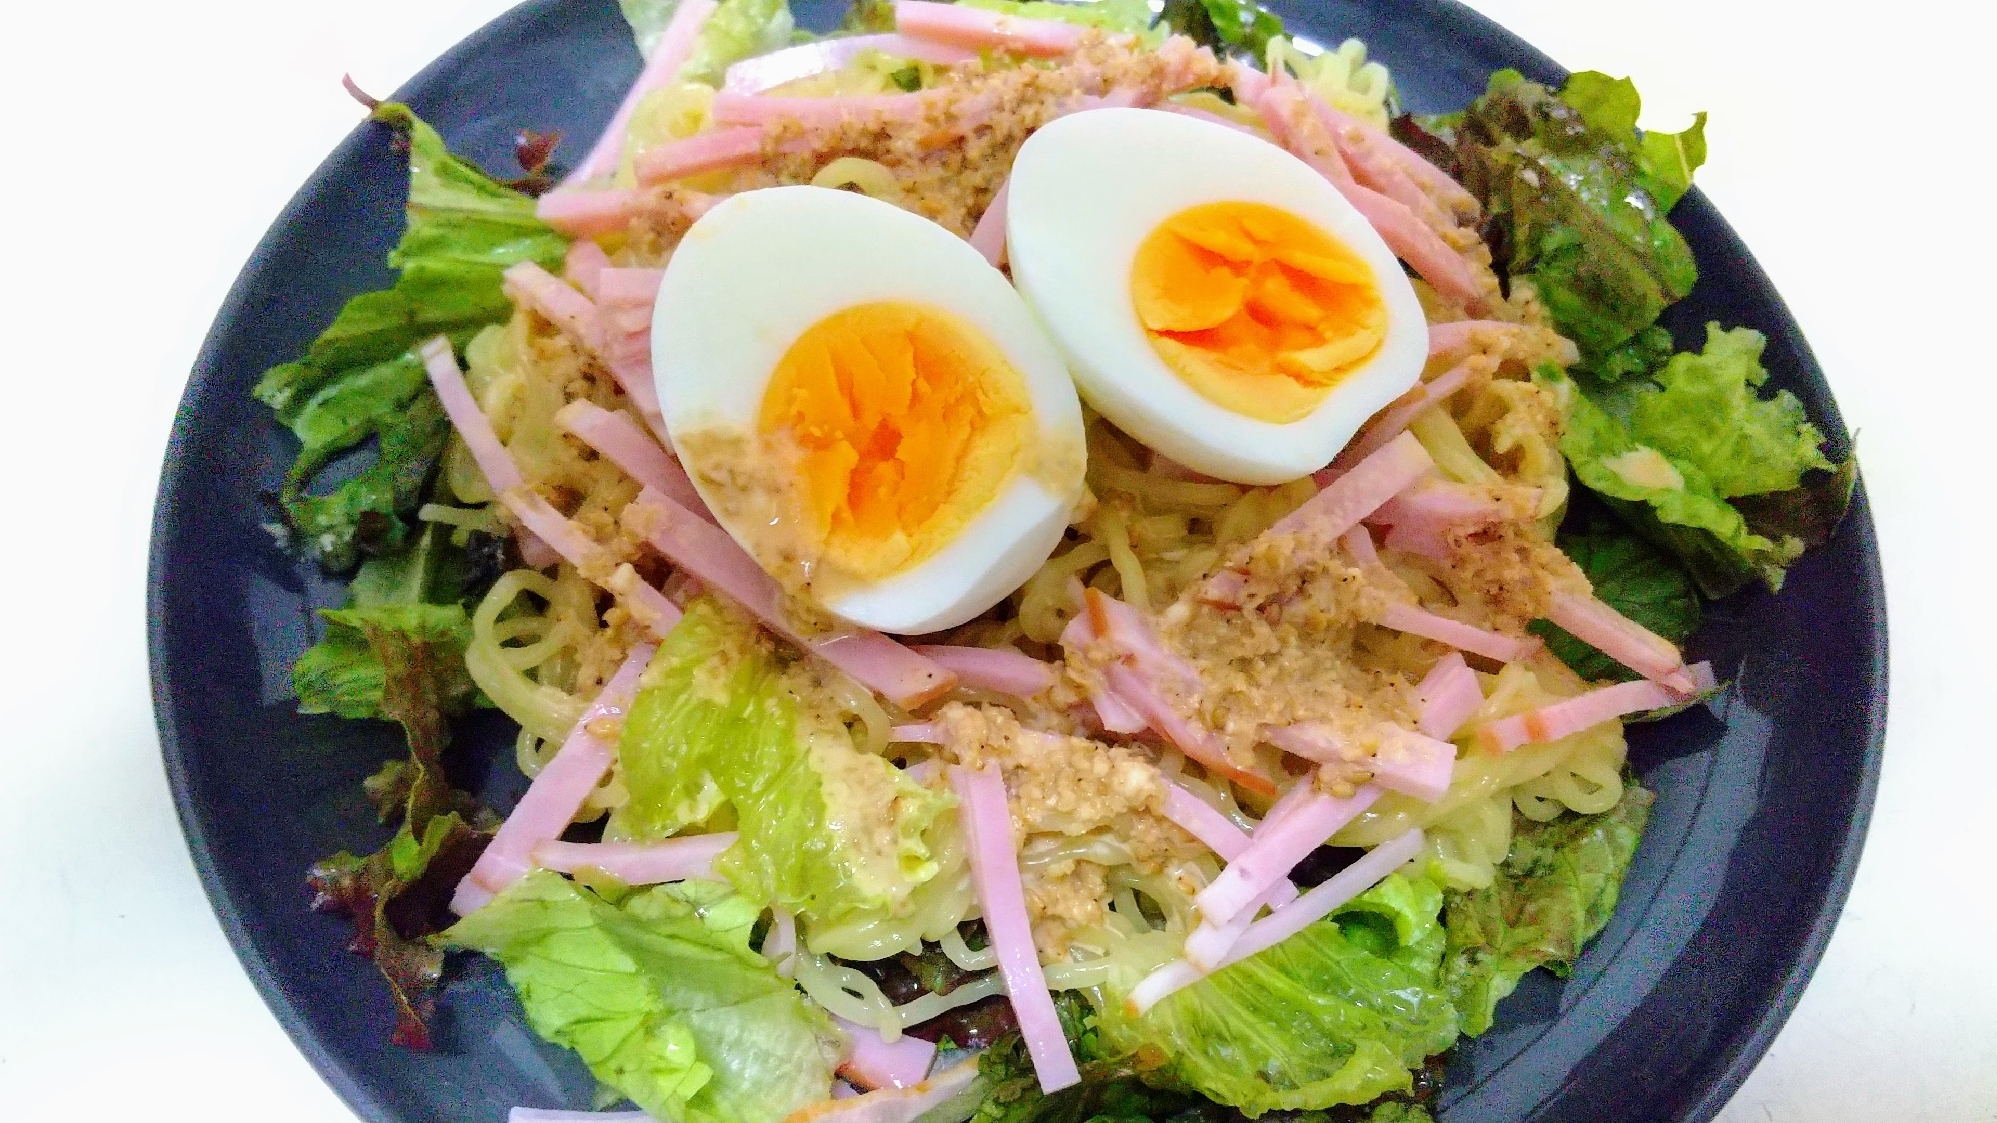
(1744, 1055)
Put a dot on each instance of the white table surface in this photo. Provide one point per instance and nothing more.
(149, 146)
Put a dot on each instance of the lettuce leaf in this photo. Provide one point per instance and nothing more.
(359, 378)
(347, 672)
(1124, 17)
(1550, 897)
(1665, 161)
(738, 29)
(1703, 409)
(1631, 576)
(1666, 499)
(1339, 1014)
(1579, 202)
(826, 830)
(661, 995)
(1231, 27)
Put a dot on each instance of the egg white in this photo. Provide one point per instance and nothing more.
(761, 268)
(1089, 188)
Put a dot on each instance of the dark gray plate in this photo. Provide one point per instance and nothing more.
(1750, 853)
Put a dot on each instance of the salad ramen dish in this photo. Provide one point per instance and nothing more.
(1050, 562)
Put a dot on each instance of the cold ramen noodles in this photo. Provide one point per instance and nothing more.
(1049, 563)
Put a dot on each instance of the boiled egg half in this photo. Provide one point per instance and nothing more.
(1215, 297)
(866, 405)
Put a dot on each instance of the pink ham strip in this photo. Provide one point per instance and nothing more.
(817, 113)
(916, 733)
(706, 551)
(764, 72)
(623, 443)
(1455, 633)
(1130, 633)
(587, 212)
(1358, 543)
(1459, 335)
(1285, 922)
(626, 299)
(494, 462)
(1277, 849)
(1391, 422)
(1410, 763)
(999, 669)
(874, 1062)
(1203, 822)
(1573, 715)
(892, 1105)
(987, 821)
(1208, 943)
(1438, 182)
(1198, 743)
(988, 237)
(1359, 492)
(1248, 83)
(555, 300)
(978, 30)
(1411, 239)
(1435, 504)
(1449, 695)
(557, 793)
(1375, 168)
(584, 265)
(544, 527)
(675, 46)
(1414, 764)
(711, 151)
(1622, 639)
(1112, 713)
(638, 863)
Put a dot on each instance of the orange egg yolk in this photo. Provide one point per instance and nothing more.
(904, 422)
(1258, 310)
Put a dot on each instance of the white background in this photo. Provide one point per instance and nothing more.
(149, 145)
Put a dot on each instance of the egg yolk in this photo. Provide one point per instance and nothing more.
(1256, 309)
(904, 423)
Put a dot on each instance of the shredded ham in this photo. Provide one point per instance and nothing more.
(1413, 764)
(1204, 823)
(587, 212)
(1131, 635)
(892, 1105)
(1199, 743)
(707, 552)
(874, 1062)
(1459, 335)
(1437, 501)
(531, 286)
(1391, 422)
(493, 461)
(1449, 694)
(1376, 167)
(1464, 637)
(1002, 670)
(987, 822)
(619, 440)
(712, 151)
(1358, 543)
(1208, 943)
(1359, 492)
(557, 793)
(765, 72)
(988, 237)
(584, 264)
(1569, 716)
(979, 30)
(638, 863)
(625, 301)
(814, 113)
(1276, 850)
(1283, 923)
(917, 733)
(1438, 182)
(1622, 639)
(675, 46)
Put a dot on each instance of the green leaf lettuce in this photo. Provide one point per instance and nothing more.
(661, 995)
(1631, 576)
(825, 830)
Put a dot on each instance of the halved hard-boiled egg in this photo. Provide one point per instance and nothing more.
(866, 406)
(1215, 297)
